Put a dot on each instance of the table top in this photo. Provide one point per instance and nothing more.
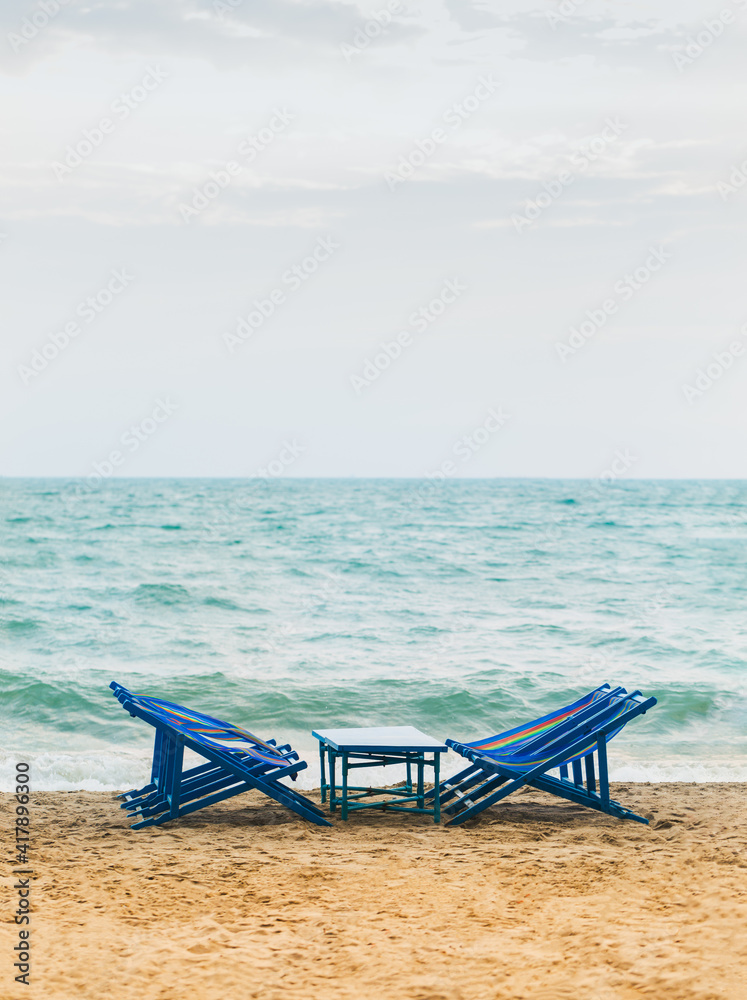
(379, 739)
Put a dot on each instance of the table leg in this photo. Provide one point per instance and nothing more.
(409, 778)
(332, 782)
(344, 810)
(436, 783)
(421, 781)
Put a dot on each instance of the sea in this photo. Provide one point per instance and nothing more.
(461, 607)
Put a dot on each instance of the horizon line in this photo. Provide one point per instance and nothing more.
(424, 478)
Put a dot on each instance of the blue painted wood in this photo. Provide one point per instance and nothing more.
(322, 769)
(490, 779)
(604, 784)
(436, 782)
(607, 702)
(468, 792)
(591, 784)
(344, 805)
(156, 755)
(380, 739)
(363, 748)
(173, 792)
(448, 787)
(567, 790)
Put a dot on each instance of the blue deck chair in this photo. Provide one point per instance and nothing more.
(237, 762)
(524, 755)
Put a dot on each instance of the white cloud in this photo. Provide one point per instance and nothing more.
(324, 173)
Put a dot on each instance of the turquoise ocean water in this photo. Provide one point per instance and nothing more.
(460, 607)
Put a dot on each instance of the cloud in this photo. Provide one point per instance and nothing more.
(228, 33)
(473, 16)
(625, 41)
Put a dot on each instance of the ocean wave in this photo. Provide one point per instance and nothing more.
(162, 593)
(491, 604)
(104, 771)
(225, 603)
(89, 772)
(22, 626)
(700, 773)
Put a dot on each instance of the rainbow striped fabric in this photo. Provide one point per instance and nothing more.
(534, 743)
(499, 765)
(211, 732)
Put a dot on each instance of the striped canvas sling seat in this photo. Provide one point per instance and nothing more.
(525, 754)
(236, 761)
(212, 732)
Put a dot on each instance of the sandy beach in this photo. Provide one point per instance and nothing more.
(535, 900)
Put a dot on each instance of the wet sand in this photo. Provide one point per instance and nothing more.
(534, 900)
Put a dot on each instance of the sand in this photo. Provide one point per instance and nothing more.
(536, 899)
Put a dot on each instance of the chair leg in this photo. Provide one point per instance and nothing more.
(604, 784)
(176, 779)
(472, 788)
(323, 771)
(156, 757)
(448, 788)
(567, 790)
(166, 750)
(591, 784)
(478, 807)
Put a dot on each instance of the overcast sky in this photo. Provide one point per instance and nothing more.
(466, 184)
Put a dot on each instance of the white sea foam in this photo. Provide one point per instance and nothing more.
(107, 772)
(700, 773)
(67, 772)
